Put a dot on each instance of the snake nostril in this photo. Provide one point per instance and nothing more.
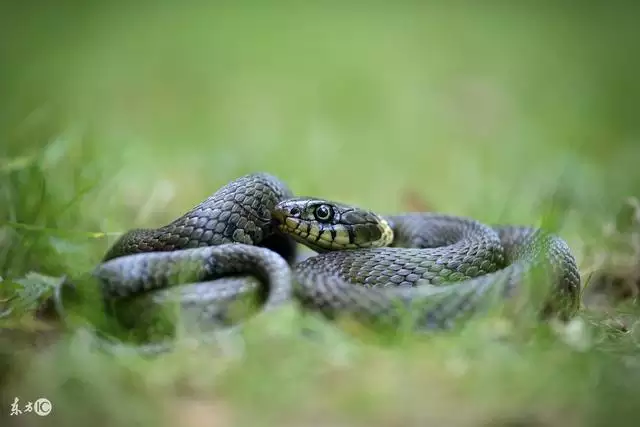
(294, 211)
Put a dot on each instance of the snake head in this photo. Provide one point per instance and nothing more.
(324, 226)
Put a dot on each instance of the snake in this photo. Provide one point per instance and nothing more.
(244, 240)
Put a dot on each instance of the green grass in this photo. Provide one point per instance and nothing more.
(115, 117)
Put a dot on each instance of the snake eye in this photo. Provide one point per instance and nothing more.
(324, 213)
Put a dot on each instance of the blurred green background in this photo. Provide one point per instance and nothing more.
(115, 115)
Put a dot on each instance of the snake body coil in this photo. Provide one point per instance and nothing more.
(435, 267)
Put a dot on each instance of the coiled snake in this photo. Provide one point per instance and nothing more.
(242, 240)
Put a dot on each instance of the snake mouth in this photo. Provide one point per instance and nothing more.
(277, 217)
(282, 221)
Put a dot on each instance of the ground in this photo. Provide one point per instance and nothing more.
(116, 116)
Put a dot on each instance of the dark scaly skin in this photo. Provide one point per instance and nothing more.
(477, 263)
(209, 279)
(443, 267)
(221, 250)
(239, 212)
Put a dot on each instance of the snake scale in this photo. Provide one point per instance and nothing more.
(242, 240)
